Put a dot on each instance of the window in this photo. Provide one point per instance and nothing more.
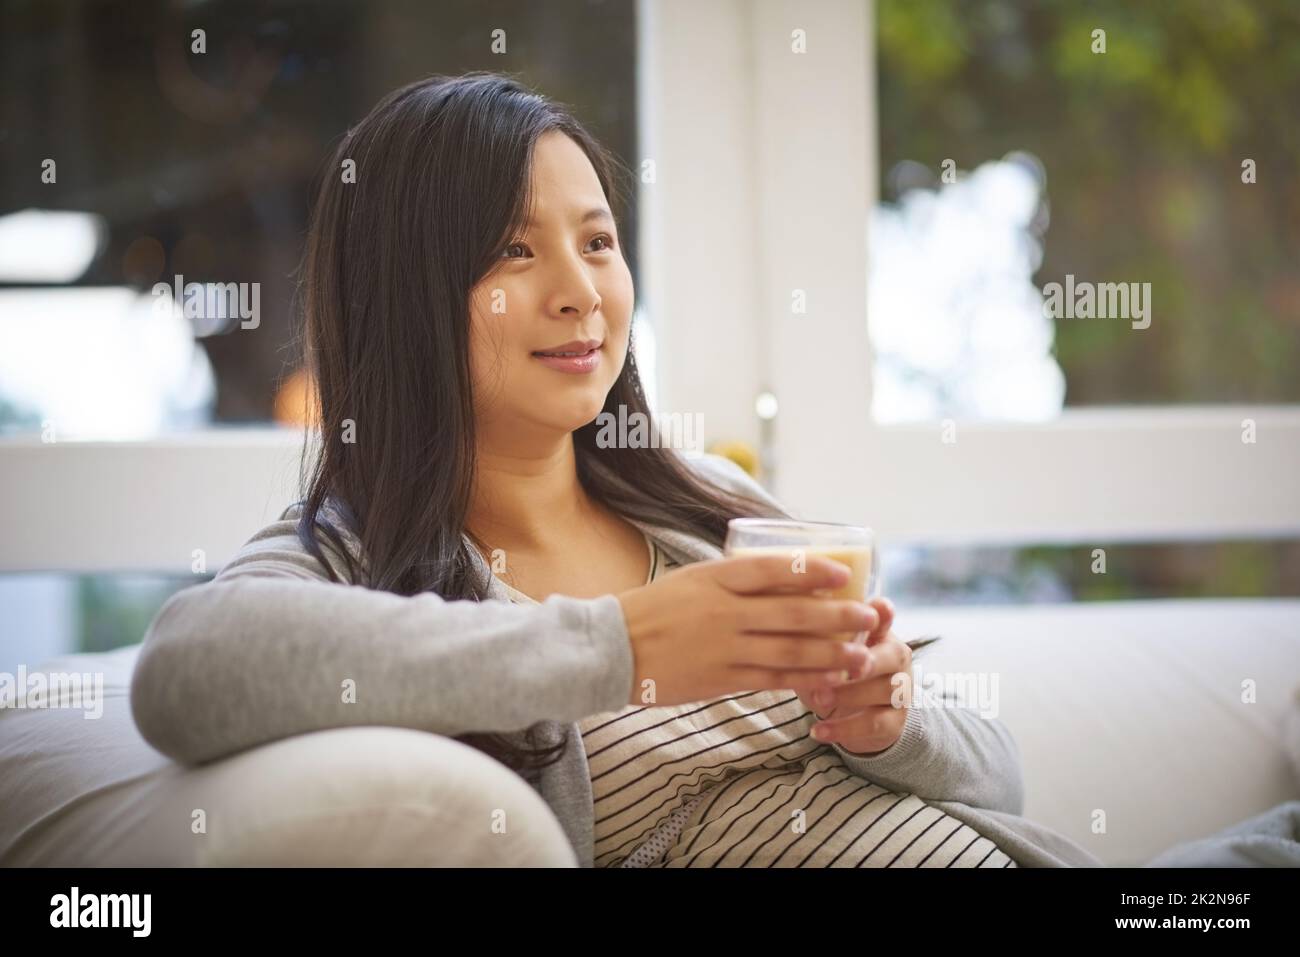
(170, 162)
(794, 166)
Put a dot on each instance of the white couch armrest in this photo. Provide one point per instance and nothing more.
(92, 792)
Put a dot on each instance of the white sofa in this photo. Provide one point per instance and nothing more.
(1133, 709)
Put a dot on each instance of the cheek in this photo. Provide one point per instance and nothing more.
(489, 350)
(498, 309)
(625, 291)
(619, 299)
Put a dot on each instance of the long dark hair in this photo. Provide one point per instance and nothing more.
(442, 175)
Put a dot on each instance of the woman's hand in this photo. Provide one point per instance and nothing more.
(744, 623)
(860, 715)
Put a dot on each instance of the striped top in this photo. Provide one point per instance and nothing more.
(740, 782)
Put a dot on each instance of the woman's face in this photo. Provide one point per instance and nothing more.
(563, 280)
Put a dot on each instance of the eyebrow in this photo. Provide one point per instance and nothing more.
(596, 212)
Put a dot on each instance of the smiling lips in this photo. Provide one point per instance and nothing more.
(574, 347)
(576, 356)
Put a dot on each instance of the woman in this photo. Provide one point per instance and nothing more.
(560, 605)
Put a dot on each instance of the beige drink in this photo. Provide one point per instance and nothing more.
(857, 557)
(850, 545)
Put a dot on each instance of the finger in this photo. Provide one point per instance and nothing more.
(803, 683)
(747, 574)
(878, 692)
(890, 654)
(885, 611)
(819, 702)
(869, 730)
(875, 685)
(794, 613)
(793, 652)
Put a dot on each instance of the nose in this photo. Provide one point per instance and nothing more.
(573, 294)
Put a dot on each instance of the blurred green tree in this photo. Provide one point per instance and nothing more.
(1143, 147)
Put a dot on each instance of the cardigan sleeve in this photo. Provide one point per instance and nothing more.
(271, 648)
(949, 754)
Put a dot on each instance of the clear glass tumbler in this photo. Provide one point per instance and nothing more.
(853, 545)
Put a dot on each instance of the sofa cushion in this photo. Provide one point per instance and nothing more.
(1134, 709)
(91, 792)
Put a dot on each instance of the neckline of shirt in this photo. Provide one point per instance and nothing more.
(654, 570)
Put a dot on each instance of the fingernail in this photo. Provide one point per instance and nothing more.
(821, 698)
(861, 665)
(819, 732)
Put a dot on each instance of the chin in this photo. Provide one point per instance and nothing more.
(570, 416)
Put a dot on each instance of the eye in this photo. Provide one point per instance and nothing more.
(506, 252)
(609, 243)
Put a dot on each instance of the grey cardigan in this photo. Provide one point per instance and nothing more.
(255, 655)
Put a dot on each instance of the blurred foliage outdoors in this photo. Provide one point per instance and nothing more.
(1143, 148)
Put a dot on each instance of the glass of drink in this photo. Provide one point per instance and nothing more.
(851, 545)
